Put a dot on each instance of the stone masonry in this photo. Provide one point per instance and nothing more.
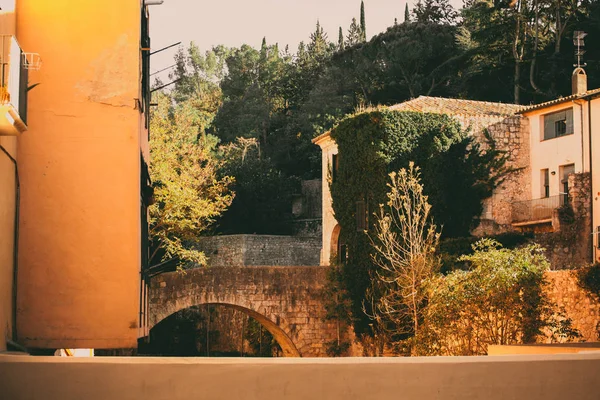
(512, 136)
(287, 301)
(582, 307)
(257, 250)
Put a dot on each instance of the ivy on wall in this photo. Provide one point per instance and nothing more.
(457, 176)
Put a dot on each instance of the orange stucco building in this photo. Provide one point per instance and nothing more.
(82, 169)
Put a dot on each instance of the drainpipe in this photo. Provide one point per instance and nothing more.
(16, 242)
(591, 180)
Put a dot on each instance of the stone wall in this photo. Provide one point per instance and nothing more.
(579, 305)
(253, 250)
(287, 301)
(570, 245)
(512, 136)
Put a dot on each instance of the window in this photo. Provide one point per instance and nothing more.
(558, 124)
(545, 183)
(566, 170)
(361, 216)
(334, 166)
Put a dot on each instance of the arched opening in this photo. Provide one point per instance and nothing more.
(337, 246)
(198, 331)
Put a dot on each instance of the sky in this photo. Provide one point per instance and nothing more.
(235, 22)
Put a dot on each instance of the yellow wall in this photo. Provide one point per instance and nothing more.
(7, 237)
(7, 209)
(79, 161)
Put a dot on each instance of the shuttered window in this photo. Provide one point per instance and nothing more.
(361, 216)
(558, 124)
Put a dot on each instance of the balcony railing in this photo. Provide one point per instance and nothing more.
(536, 210)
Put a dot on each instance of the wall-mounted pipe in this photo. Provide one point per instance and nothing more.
(15, 243)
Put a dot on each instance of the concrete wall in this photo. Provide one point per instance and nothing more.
(7, 207)
(595, 128)
(553, 153)
(80, 175)
(554, 348)
(552, 377)
(249, 250)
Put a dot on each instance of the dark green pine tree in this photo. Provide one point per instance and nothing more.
(363, 25)
(395, 21)
(406, 13)
(341, 40)
(354, 33)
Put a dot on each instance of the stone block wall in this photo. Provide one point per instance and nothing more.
(581, 306)
(570, 245)
(255, 250)
(512, 136)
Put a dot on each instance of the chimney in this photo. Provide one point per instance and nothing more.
(579, 81)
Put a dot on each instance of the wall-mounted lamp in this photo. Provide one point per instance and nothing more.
(553, 173)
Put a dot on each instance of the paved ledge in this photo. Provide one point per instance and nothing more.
(531, 377)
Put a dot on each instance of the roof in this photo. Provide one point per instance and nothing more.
(470, 113)
(586, 95)
(441, 105)
(322, 136)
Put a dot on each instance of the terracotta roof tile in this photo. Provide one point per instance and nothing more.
(589, 93)
(440, 105)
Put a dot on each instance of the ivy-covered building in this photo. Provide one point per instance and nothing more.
(548, 185)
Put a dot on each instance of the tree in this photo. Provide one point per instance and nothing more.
(405, 241)
(499, 300)
(435, 11)
(406, 13)
(188, 195)
(263, 194)
(354, 33)
(363, 24)
(341, 40)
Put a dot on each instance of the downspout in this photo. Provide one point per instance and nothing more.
(591, 180)
(15, 243)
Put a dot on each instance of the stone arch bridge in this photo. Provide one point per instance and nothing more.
(287, 301)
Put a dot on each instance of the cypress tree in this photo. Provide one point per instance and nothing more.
(406, 14)
(341, 40)
(395, 21)
(363, 26)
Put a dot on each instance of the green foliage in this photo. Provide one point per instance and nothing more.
(363, 24)
(589, 279)
(451, 249)
(370, 145)
(188, 195)
(499, 300)
(262, 343)
(436, 11)
(263, 195)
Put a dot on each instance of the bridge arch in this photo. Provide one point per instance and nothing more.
(287, 346)
(287, 301)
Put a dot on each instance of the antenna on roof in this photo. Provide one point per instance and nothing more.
(579, 52)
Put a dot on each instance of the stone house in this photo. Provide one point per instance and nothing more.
(549, 154)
